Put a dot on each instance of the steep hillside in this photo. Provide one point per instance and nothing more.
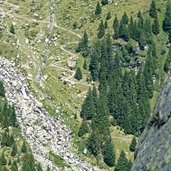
(52, 43)
(153, 151)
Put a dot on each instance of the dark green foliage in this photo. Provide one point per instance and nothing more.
(94, 65)
(7, 139)
(106, 24)
(101, 30)
(24, 148)
(123, 163)
(148, 74)
(85, 64)
(167, 19)
(28, 163)
(109, 153)
(104, 2)
(78, 74)
(153, 10)
(169, 36)
(133, 145)
(12, 117)
(167, 65)
(83, 129)
(14, 150)
(88, 108)
(116, 27)
(93, 144)
(3, 160)
(83, 45)
(14, 166)
(108, 17)
(98, 9)
(125, 19)
(12, 29)
(2, 89)
(155, 26)
(39, 167)
(123, 31)
(142, 42)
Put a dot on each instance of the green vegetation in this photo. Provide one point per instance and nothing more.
(58, 160)
(11, 157)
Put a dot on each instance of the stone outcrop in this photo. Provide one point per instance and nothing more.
(42, 132)
(154, 149)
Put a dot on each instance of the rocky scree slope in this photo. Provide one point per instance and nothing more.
(42, 132)
(154, 151)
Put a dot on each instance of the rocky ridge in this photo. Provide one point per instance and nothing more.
(42, 132)
(154, 151)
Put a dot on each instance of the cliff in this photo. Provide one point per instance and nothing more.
(154, 150)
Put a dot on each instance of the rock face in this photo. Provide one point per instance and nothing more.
(154, 148)
(42, 132)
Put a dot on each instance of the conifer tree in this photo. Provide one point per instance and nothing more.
(85, 64)
(83, 45)
(12, 117)
(24, 148)
(167, 65)
(93, 144)
(148, 74)
(2, 89)
(88, 108)
(109, 153)
(14, 166)
(106, 24)
(28, 163)
(169, 37)
(98, 9)
(142, 42)
(123, 163)
(14, 150)
(155, 26)
(39, 167)
(116, 27)
(94, 65)
(83, 129)
(3, 160)
(12, 29)
(125, 19)
(153, 10)
(133, 145)
(104, 2)
(101, 30)
(108, 17)
(167, 19)
(78, 74)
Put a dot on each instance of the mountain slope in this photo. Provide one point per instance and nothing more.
(153, 151)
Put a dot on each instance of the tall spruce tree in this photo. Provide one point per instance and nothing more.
(2, 89)
(83, 45)
(133, 145)
(88, 108)
(123, 163)
(116, 27)
(78, 74)
(167, 65)
(167, 19)
(101, 30)
(94, 65)
(98, 9)
(108, 17)
(153, 9)
(155, 26)
(109, 153)
(104, 2)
